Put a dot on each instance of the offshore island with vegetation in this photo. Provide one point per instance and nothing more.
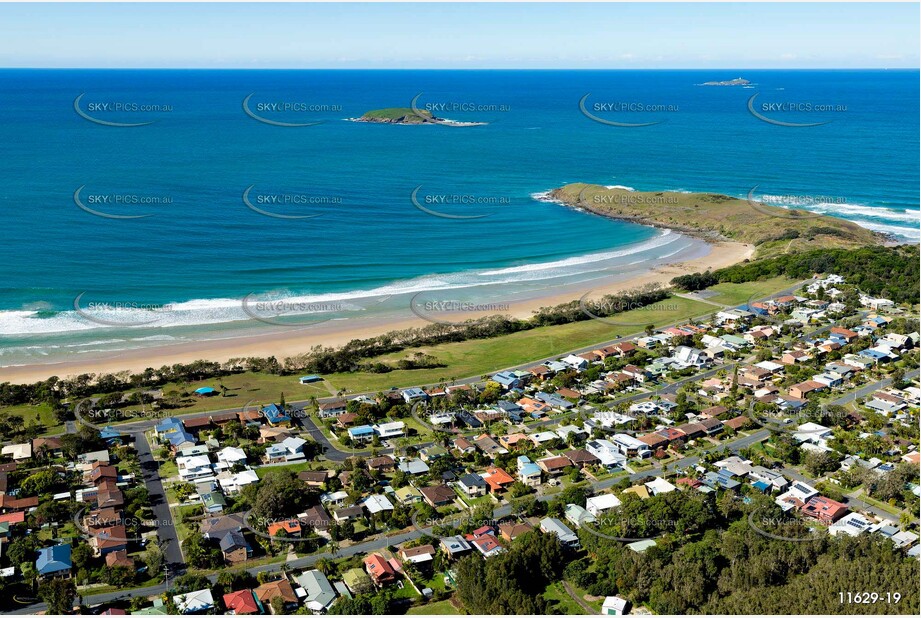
(409, 115)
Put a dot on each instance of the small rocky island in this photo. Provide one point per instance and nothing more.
(410, 115)
(401, 115)
(732, 82)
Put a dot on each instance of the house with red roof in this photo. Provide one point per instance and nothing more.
(241, 603)
(380, 570)
(488, 545)
(498, 479)
(824, 509)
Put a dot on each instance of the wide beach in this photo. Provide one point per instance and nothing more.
(282, 343)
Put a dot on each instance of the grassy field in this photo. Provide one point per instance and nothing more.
(772, 229)
(439, 608)
(261, 471)
(463, 359)
(739, 293)
(477, 357)
(560, 602)
(42, 412)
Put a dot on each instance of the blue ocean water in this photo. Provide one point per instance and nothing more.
(202, 249)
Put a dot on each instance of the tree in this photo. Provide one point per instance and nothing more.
(153, 558)
(39, 483)
(59, 594)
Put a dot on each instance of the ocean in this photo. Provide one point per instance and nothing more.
(213, 216)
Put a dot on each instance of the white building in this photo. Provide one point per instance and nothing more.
(390, 430)
(607, 452)
(194, 467)
(597, 505)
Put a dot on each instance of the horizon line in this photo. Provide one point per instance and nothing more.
(241, 68)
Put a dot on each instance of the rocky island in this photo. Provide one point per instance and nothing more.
(409, 115)
(731, 82)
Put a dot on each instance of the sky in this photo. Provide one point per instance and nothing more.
(461, 36)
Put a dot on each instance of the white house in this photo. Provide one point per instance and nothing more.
(659, 485)
(614, 606)
(596, 505)
(230, 456)
(376, 503)
(194, 602)
(852, 524)
(195, 467)
(607, 452)
(574, 362)
(390, 430)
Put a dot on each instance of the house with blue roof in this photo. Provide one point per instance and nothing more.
(54, 561)
(554, 400)
(411, 395)
(529, 472)
(362, 433)
(168, 424)
(173, 431)
(876, 356)
(507, 380)
(276, 416)
(761, 486)
(110, 435)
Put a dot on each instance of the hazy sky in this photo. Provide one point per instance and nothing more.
(460, 35)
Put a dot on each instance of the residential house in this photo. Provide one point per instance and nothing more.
(512, 530)
(277, 589)
(241, 603)
(194, 602)
(455, 546)
(602, 503)
(529, 473)
(380, 570)
(234, 547)
(319, 594)
(552, 525)
(54, 561)
(441, 495)
(423, 554)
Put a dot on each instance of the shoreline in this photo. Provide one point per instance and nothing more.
(292, 342)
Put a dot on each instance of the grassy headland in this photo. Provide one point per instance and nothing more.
(771, 229)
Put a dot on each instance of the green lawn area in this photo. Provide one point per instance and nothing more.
(261, 471)
(478, 357)
(462, 359)
(168, 469)
(738, 293)
(436, 582)
(41, 412)
(68, 531)
(439, 608)
(560, 601)
(406, 592)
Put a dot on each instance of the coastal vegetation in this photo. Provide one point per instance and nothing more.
(726, 567)
(354, 357)
(890, 272)
(771, 229)
(442, 353)
(400, 115)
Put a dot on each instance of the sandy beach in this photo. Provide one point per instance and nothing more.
(333, 333)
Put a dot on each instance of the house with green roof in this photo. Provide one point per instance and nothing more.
(408, 495)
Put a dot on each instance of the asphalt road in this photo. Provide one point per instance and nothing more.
(166, 530)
